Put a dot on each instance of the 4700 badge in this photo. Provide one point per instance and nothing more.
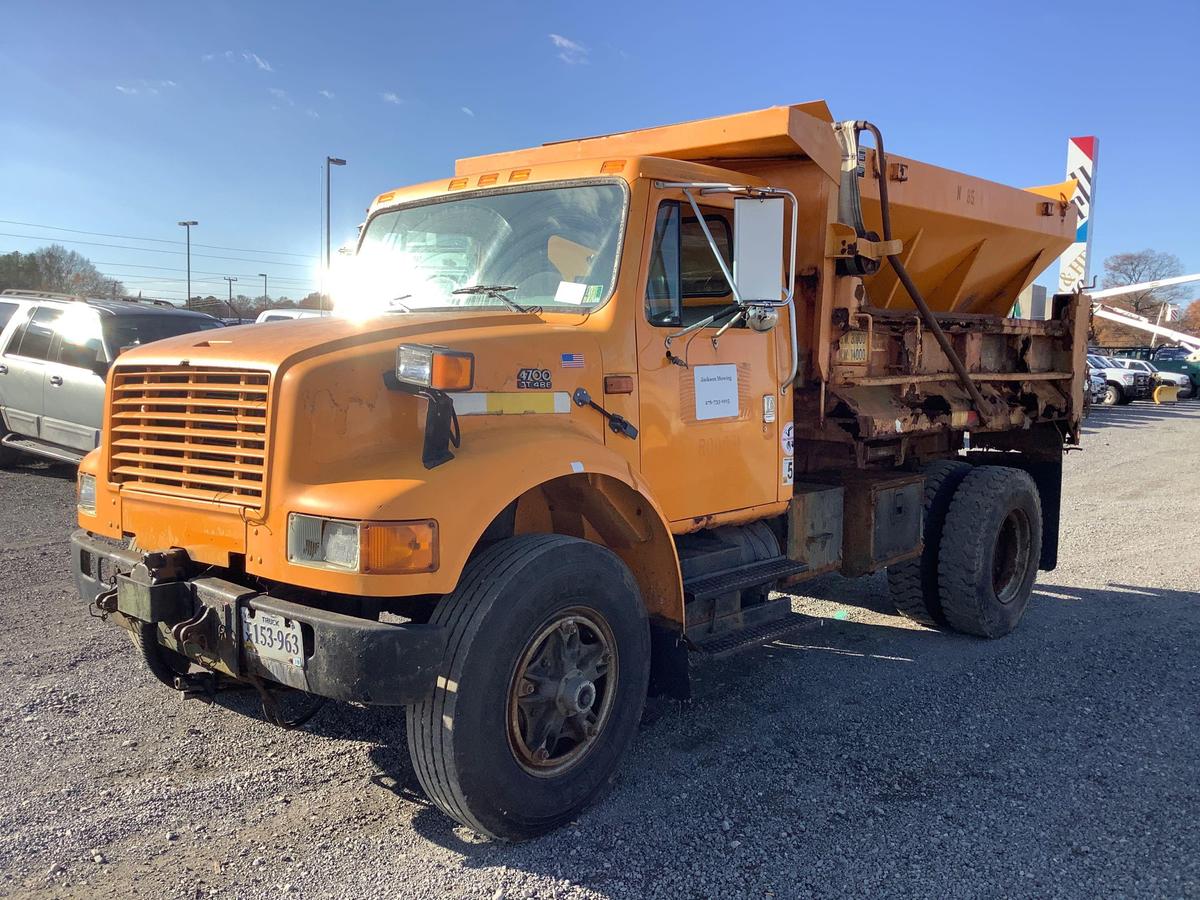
(534, 379)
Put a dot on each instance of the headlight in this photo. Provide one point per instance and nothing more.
(1127, 377)
(373, 548)
(86, 493)
(435, 367)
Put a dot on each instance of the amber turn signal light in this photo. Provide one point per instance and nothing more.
(399, 547)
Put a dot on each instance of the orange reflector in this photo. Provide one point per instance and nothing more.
(452, 370)
(618, 384)
(391, 547)
(518, 175)
(384, 198)
(485, 180)
(613, 165)
(456, 183)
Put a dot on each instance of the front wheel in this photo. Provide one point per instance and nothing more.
(541, 687)
(1113, 395)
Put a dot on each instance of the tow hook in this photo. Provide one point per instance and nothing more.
(196, 630)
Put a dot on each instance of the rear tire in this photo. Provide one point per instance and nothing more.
(914, 583)
(541, 687)
(991, 547)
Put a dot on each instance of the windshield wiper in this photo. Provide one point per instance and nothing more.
(396, 301)
(498, 292)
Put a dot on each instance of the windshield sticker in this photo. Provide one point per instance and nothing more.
(594, 293)
(572, 360)
(716, 392)
(570, 292)
(534, 379)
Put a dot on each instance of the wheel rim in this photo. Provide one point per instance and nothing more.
(560, 697)
(1010, 561)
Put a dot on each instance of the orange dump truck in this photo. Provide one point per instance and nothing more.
(583, 407)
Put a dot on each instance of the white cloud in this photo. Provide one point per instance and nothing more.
(207, 57)
(281, 95)
(229, 55)
(126, 90)
(569, 51)
(312, 114)
(468, 111)
(327, 94)
(390, 97)
(262, 64)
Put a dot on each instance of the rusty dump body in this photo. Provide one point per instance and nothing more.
(581, 408)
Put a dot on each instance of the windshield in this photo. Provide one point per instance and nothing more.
(125, 331)
(1172, 353)
(553, 247)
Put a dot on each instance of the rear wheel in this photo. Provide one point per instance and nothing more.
(1187, 391)
(541, 687)
(990, 551)
(914, 583)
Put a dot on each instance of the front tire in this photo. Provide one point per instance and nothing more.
(541, 687)
(991, 547)
(1113, 396)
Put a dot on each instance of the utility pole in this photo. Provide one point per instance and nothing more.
(114, 290)
(266, 299)
(231, 280)
(329, 161)
(188, 225)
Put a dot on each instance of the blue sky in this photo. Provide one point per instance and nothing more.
(123, 118)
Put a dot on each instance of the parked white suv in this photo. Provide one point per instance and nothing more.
(54, 352)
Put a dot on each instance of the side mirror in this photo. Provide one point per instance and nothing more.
(758, 228)
(100, 367)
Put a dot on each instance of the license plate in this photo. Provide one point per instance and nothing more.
(271, 636)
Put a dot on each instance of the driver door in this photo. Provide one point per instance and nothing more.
(710, 429)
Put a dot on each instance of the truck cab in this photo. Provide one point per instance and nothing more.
(580, 409)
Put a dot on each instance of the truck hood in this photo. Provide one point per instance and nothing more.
(275, 345)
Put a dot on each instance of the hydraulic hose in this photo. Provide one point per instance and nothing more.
(885, 213)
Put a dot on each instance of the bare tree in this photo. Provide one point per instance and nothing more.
(1145, 265)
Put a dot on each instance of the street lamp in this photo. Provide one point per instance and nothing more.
(231, 280)
(263, 276)
(329, 161)
(188, 225)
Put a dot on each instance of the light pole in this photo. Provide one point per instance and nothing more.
(263, 276)
(329, 161)
(188, 225)
(231, 280)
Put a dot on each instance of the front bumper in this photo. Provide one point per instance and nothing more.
(345, 657)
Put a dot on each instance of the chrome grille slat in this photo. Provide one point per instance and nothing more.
(190, 432)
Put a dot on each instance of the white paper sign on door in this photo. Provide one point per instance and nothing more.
(716, 392)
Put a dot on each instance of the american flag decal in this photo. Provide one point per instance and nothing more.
(572, 360)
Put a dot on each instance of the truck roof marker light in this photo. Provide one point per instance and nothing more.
(384, 198)
(399, 547)
(490, 178)
(519, 175)
(611, 166)
(458, 183)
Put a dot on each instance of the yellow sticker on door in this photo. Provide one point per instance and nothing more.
(716, 391)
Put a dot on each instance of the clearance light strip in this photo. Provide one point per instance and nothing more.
(501, 403)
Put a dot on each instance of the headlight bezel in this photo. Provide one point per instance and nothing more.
(439, 368)
(405, 547)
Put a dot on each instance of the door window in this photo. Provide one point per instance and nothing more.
(685, 281)
(81, 343)
(6, 313)
(33, 339)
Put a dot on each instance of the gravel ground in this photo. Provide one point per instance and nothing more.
(859, 756)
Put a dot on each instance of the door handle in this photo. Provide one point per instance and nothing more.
(56, 380)
(3, 369)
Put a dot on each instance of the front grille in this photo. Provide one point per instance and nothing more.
(191, 432)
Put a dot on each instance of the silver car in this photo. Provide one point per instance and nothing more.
(54, 352)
